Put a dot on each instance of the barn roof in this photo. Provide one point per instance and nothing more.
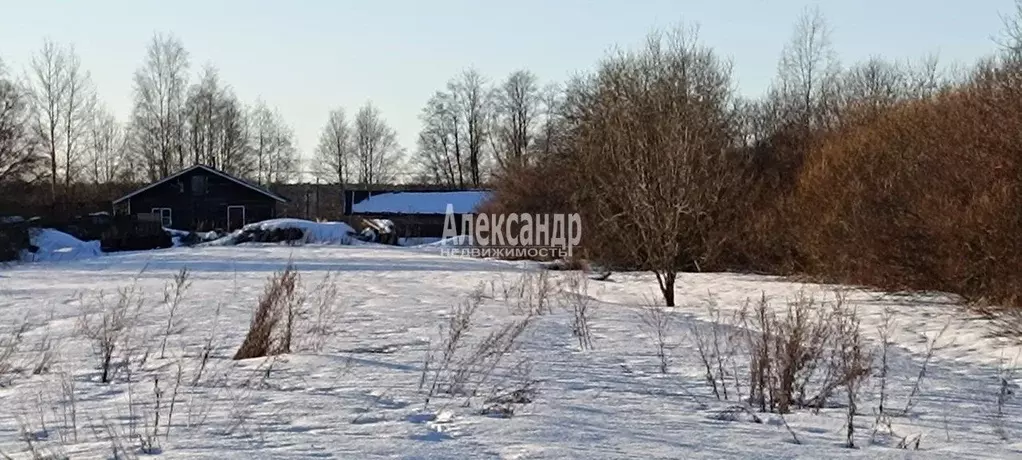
(229, 177)
(421, 202)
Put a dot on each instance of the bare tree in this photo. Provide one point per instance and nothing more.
(215, 125)
(1010, 38)
(49, 87)
(873, 85)
(925, 77)
(517, 110)
(376, 149)
(551, 99)
(157, 125)
(272, 145)
(808, 70)
(473, 102)
(439, 144)
(201, 117)
(77, 107)
(455, 132)
(19, 152)
(106, 162)
(649, 145)
(334, 153)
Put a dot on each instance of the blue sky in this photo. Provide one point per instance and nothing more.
(308, 56)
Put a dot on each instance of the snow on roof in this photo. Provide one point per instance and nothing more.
(421, 202)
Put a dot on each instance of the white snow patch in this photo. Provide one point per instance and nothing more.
(57, 245)
(315, 232)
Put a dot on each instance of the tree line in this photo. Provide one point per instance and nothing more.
(55, 129)
(471, 130)
(900, 175)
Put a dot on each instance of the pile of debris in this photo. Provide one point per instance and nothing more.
(378, 231)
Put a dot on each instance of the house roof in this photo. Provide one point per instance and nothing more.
(229, 177)
(421, 202)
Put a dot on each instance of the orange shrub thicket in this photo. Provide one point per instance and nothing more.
(923, 195)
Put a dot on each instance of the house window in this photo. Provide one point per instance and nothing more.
(165, 216)
(199, 183)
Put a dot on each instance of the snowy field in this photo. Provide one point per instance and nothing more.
(354, 385)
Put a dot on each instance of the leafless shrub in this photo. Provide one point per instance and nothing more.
(800, 359)
(505, 399)
(173, 396)
(717, 351)
(794, 437)
(324, 311)
(149, 437)
(10, 345)
(657, 323)
(759, 345)
(173, 294)
(855, 362)
(272, 328)
(931, 348)
(484, 358)
(1006, 390)
(109, 331)
(207, 348)
(69, 405)
(461, 365)
(884, 333)
(802, 336)
(581, 306)
(439, 360)
(44, 355)
(530, 294)
(33, 437)
(118, 443)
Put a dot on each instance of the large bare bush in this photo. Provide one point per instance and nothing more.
(650, 139)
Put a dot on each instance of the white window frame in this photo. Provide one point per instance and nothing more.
(166, 216)
(244, 214)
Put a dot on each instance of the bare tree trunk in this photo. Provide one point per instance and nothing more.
(666, 281)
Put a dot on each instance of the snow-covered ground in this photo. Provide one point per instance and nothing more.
(353, 391)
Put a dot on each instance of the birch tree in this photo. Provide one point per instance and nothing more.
(517, 111)
(157, 122)
(62, 96)
(19, 149)
(272, 144)
(376, 149)
(334, 152)
(106, 152)
(215, 126)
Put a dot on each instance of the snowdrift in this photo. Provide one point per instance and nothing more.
(53, 244)
(296, 231)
